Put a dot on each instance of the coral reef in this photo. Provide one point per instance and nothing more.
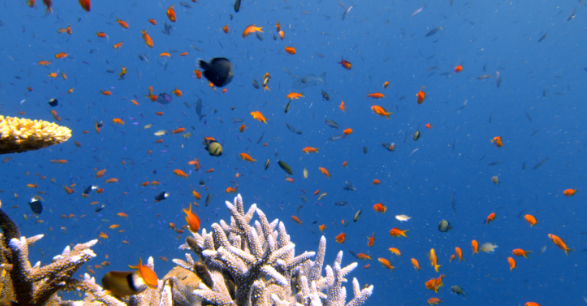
(239, 265)
(20, 135)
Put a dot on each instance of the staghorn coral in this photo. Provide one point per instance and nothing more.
(255, 265)
(20, 135)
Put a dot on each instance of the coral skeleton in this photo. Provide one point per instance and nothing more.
(21, 135)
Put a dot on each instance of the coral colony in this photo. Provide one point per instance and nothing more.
(240, 264)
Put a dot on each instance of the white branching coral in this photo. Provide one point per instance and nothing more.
(20, 135)
(255, 265)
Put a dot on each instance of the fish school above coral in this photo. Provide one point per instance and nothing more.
(240, 264)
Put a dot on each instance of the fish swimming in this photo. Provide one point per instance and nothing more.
(309, 80)
(218, 71)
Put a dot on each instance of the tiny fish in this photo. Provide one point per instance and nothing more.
(340, 203)
(432, 32)
(331, 124)
(357, 215)
(403, 218)
(540, 163)
(267, 163)
(543, 37)
(417, 11)
(337, 137)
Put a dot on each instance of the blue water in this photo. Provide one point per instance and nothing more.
(537, 111)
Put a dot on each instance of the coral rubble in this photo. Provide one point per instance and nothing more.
(20, 135)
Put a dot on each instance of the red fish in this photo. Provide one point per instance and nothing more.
(345, 64)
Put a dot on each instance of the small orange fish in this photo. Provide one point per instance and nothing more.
(294, 95)
(52, 75)
(531, 304)
(58, 161)
(345, 64)
(459, 253)
(242, 128)
(230, 189)
(340, 238)
(114, 226)
(347, 131)
(183, 54)
(344, 164)
(289, 179)
(371, 240)
(385, 85)
(102, 235)
(165, 54)
(105, 92)
(198, 73)
(48, 4)
(452, 257)
(379, 208)
(118, 121)
(153, 21)
(121, 214)
(380, 111)
(225, 29)
(363, 256)
(252, 29)
(569, 192)
(520, 252)
(64, 77)
(395, 251)
(512, 263)
(85, 4)
(196, 195)
(559, 243)
(35, 185)
(61, 55)
(257, 115)
(68, 190)
(147, 39)
(281, 35)
(44, 63)
(322, 227)
(101, 34)
(192, 220)
(118, 45)
(134, 102)
(396, 232)
(458, 68)
(278, 26)
(376, 95)
(180, 173)
(497, 141)
(290, 50)
(147, 275)
(296, 220)
(434, 301)
(375, 182)
(159, 113)
(309, 150)
(324, 171)
(195, 163)
(145, 184)
(122, 23)
(31, 3)
(428, 126)
(530, 219)
(490, 218)
(421, 95)
(247, 157)
(171, 14)
(433, 259)
(178, 130)
(386, 263)
(112, 180)
(100, 173)
(475, 246)
(341, 106)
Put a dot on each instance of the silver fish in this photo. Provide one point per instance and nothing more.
(418, 11)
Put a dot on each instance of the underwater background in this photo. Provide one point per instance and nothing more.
(535, 48)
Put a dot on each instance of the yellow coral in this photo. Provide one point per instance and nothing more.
(20, 135)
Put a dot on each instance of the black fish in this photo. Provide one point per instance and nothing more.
(53, 102)
(285, 167)
(256, 84)
(291, 128)
(287, 106)
(36, 205)
(349, 187)
(162, 196)
(208, 198)
(99, 209)
(365, 150)
(325, 96)
(218, 71)
(259, 36)
(237, 5)
(432, 32)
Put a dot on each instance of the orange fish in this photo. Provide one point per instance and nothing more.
(114, 226)
(386, 263)
(149, 277)
(289, 179)
(421, 95)
(159, 113)
(345, 64)
(559, 243)
(112, 180)
(459, 253)
(433, 259)
(183, 54)
(309, 150)
(452, 257)
(569, 192)
(147, 39)
(35, 185)
(434, 301)
(180, 173)
(344, 164)
(198, 73)
(458, 68)
(122, 23)
(530, 219)
(490, 218)
(31, 3)
(428, 126)
(247, 157)
(257, 115)
(376, 95)
(195, 163)
(497, 141)
(281, 35)
(230, 189)
(178, 130)
(58, 161)
(52, 75)
(531, 304)
(380, 111)
(101, 34)
(296, 220)
(475, 246)
(347, 131)
(105, 92)
(118, 45)
(192, 220)
(341, 106)
(375, 182)
(102, 235)
(196, 195)
(385, 85)
(242, 128)
(171, 14)
(294, 95)
(512, 263)
(363, 256)
(100, 173)
(61, 55)
(396, 232)
(121, 214)
(252, 29)
(225, 29)
(322, 227)
(395, 251)
(324, 171)
(85, 4)
(379, 208)
(290, 50)
(118, 121)
(44, 63)
(153, 21)
(165, 54)
(520, 252)
(48, 4)
(145, 184)
(371, 240)
(68, 190)
(340, 238)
